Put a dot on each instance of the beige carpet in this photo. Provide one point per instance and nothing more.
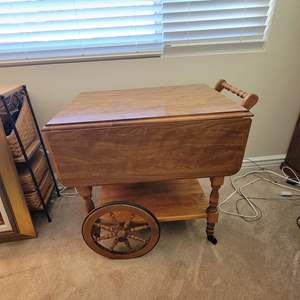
(258, 260)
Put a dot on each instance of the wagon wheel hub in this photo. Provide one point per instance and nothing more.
(122, 234)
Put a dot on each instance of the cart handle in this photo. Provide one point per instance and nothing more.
(249, 100)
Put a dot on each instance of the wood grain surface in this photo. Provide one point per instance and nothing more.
(168, 201)
(127, 154)
(159, 102)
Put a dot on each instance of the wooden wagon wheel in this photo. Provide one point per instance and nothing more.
(121, 230)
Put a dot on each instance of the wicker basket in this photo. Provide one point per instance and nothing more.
(46, 188)
(39, 167)
(26, 129)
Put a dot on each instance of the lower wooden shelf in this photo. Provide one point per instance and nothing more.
(175, 200)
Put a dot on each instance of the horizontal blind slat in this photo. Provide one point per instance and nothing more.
(79, 34)
(216, 24)
(102, 22)
(58, 5)
(54, 15)
(71, 44)
(87, 53)
(213, 5)
(214, 33)
(215, 15)
(218, 41)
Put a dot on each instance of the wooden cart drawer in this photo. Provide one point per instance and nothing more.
(140, 153)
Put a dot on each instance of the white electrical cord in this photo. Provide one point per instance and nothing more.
(240, 192)
(259, 174)
(294, 173)
(63, 190)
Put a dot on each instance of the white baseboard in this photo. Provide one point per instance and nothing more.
(264, 161)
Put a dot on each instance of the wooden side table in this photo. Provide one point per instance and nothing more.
(146, 148)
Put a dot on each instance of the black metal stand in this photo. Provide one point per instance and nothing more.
(42, 141)
(26, 159)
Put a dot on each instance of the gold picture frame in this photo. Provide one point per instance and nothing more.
(15, 217)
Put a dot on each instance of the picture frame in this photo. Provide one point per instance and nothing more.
(15, 218)
(7, 223)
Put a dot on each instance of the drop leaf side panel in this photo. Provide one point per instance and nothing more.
(140, 153)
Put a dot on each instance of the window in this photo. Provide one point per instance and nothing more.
(33, 30)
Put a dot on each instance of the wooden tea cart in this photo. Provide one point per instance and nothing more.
(145, 148)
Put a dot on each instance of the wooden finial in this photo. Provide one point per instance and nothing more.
(250, 101)
(220, 85)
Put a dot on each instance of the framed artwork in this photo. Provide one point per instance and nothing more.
(6, 222)
(15, 219)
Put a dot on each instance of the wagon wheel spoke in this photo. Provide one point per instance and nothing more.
(128, 244)
(96, 231)
(134, 237)
(127, 223)
(138, 228)
(113, 217)
(105, 237)
(114, 244)
(108, 228)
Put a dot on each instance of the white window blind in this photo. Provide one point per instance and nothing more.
(215, 22)
(38, 30)
(49, 29)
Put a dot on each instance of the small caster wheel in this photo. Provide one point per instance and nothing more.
(121, 230)
(212, 239)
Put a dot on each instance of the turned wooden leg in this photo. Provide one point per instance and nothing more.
(86, 193)
(212, 210)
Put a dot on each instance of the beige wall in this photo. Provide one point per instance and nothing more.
(274, 74)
